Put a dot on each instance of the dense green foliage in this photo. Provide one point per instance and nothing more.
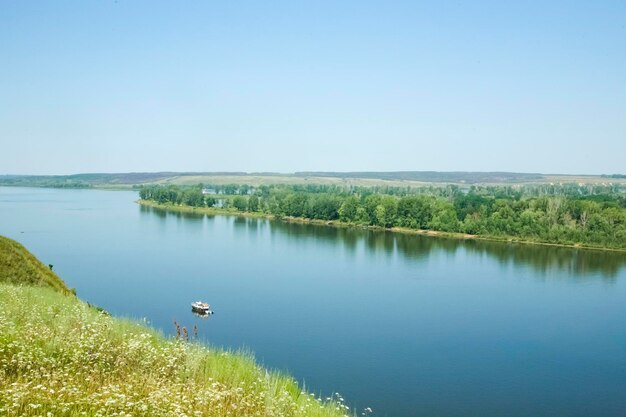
(568, 214)
(61, 357)
(18, 266)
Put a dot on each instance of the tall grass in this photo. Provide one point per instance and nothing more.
(61, 357)
(18, 266)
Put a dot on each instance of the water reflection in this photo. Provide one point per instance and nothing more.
(578, 263)
(547, 259)
(163, 213)
(241, 222)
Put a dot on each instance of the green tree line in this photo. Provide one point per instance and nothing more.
(565, 215)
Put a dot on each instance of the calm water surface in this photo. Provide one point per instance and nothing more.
(407, 325)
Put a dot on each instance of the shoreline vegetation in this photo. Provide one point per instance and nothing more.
(217, 211)
(567, 216)
(60, 356)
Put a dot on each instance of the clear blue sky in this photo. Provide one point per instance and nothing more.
(118, 86)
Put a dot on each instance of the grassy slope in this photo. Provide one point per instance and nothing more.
(18, 266)
(59, 357)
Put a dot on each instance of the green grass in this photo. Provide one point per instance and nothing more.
(211, 211)
(60, 357)
(18, 266)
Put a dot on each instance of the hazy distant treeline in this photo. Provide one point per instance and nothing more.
(566, 214)
(42, 181)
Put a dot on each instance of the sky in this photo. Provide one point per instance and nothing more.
(284, 86)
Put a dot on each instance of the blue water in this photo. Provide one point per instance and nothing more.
(407, 325)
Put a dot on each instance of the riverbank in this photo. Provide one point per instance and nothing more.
(60, 356)
(337, 223)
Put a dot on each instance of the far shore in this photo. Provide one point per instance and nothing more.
(339, 224)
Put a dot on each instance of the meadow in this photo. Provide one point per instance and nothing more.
(60, 356)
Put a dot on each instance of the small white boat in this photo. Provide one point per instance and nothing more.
(201, 307)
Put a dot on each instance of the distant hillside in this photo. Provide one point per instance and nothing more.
(84, 180)
(369, 178)
(433, 176)
(101, 179)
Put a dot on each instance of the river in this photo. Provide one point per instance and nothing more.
(407, 325)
